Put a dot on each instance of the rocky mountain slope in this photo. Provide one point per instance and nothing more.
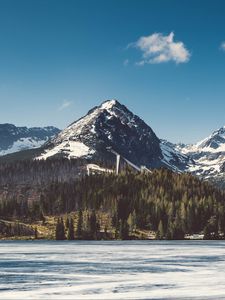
(14, 139)
(111, 126)
(208, 155)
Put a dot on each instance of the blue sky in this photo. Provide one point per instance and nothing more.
(162, 59)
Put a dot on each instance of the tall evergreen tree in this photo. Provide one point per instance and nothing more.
(124, 230)
(79, 231)
(60, 230)
(70, 234)
(93, 226)
(67, 222)
(35, 233)
(160, 232)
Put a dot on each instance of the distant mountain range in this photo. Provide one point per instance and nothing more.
(14, 139)
(111, 126)
(208, 156)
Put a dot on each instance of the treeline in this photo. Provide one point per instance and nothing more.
(40, 171)
(87, 227)
(169, 204)
(165, 202)
(34, 172)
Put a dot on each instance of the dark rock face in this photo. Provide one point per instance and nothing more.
(126, 134)
(112, 126)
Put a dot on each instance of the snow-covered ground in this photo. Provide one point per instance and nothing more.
(72, 149)
(23, 144)
(15, 139)
(112, 270)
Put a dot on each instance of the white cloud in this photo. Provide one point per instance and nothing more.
(65, 104)
(222, 46)
(158, 48)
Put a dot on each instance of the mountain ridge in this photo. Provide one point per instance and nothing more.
(208, 154)
(14, 138)
(113, 125)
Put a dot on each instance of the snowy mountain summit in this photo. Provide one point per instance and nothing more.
(14, 139)
(208, 154)
(112, 126)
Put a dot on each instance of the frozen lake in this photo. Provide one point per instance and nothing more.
(112, 270)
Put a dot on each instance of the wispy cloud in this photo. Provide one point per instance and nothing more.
(126, 62)
(65, 104)
(222, 46)
(158, 48)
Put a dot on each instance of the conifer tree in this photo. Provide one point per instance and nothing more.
(67, 222)
(160, 231)
(70, 234)
(93, 226)
(63, 237)
(35, 233)
(79, 225)
(124, 230)
(60, 230)
(57, 230)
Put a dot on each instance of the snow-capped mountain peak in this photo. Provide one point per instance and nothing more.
(112, 125)
(208, 154)
(108, 104)
(215, 142)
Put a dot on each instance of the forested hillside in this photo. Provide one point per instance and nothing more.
(168, 204)
(34, 172)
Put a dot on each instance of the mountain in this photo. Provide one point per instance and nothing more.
(111, 126)
(174, 158)
(14, 139)
(208, 155)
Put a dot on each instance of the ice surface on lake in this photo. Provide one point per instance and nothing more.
(112, 270)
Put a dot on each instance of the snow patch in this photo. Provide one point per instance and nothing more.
(108, 104)
(72, 149)
(171, 154)
(23, 144)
